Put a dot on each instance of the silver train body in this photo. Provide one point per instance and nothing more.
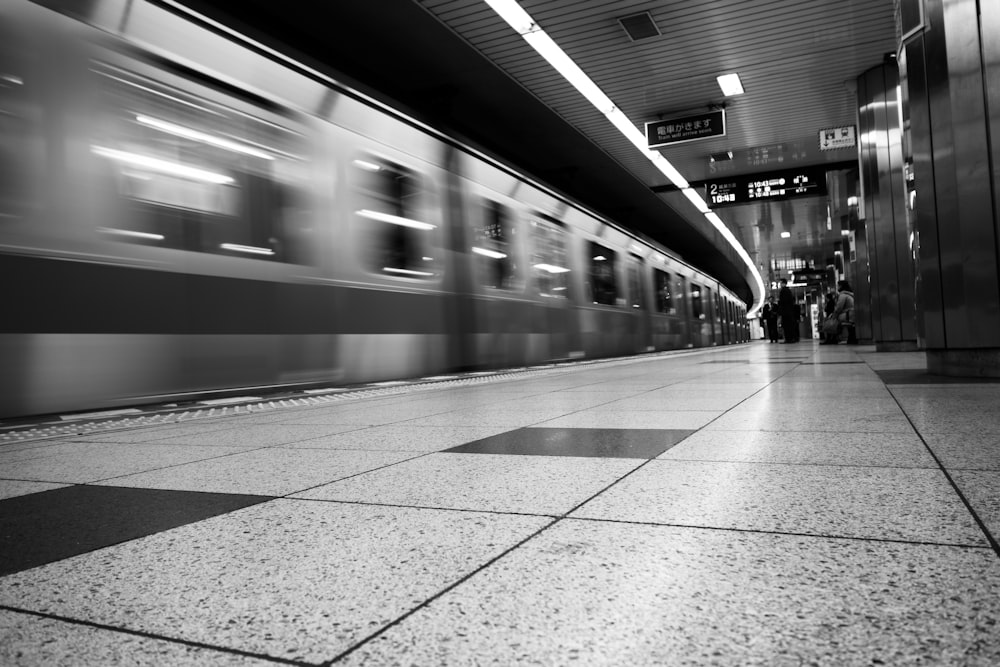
(185, 214)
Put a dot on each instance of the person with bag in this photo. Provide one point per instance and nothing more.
(844, 311)
(830, 327)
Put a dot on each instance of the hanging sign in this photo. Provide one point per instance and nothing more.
(687, 128)
(833, 138)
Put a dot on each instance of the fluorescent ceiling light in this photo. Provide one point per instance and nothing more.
(730, 84)
(406, 272)
(395, 219)
(786, 235)
(696, 199)
(131, 233)
(201, 137)
(551, 268)
(492, 254)
(253, 250)
(163, 166)
(366, 165)
(515, 16)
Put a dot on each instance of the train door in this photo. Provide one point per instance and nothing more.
(553, 332)
(701, 326)
(687, 325)
(642, 336)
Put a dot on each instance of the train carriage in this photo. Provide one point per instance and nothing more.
(185, 214)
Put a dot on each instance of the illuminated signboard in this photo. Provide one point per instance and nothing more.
(688, 128)
(770, 186)
(833, 138)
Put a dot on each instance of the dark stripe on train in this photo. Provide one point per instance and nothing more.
(61, 296)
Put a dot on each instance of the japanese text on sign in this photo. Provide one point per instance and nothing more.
(687, 128)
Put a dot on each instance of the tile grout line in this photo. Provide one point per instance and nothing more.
(150, 635)
(954, 485)
(785, 533)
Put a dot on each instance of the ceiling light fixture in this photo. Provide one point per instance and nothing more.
(518, 19)
(730, 84)
(786, 235)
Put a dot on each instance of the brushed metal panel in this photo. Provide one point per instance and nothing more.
(989, 16)
(892, 184)
(945, 175)
(931, 298)
(979, 319)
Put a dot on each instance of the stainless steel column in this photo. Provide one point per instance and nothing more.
(887, 233)
(950, 60)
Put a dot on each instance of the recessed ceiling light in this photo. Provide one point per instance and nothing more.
(730, 84)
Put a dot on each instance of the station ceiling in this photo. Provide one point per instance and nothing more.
(458, 66)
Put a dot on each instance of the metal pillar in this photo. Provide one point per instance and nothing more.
(887, 233)
(950, 64)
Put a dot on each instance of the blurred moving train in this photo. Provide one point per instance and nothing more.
(184, 213)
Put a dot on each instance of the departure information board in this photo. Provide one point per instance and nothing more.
(768, 186)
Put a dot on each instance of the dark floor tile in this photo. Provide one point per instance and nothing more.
(52, 525)
(595, 442)
(919, 376)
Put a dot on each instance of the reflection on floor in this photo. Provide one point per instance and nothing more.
(757, 504)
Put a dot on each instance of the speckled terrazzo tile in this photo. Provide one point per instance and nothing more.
(975, 451)
(674, 419)
(881, 503)
(370, 415)
(266, 472)
(302, 580)
(261, 435)
(953, 419)
(409, 438)
(982, 489)
(778, 418)
(93, 461)
(28, 641)
(39, 450)
(824, 404)
(647, 402)
(495, 415)
(833, 390)
(804, 447)
(564, 402)
(594, 593)
(159, 432)
(12, 488)
(488, 482)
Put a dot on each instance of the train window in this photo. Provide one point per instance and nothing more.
(19, 129)
(602, 275)
(664, 297)
(635, 286)
(494, 246)
(401, 244)
(697, 311)
(198, 175)
(548, 259)
(680, 291)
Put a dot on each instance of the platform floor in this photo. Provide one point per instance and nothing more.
(753, 505)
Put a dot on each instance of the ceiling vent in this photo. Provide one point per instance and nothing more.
(639, 26)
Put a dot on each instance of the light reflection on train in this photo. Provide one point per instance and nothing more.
(181, 216)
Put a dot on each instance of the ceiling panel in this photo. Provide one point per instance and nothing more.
(798, 60)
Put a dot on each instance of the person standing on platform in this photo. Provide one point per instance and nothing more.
(786, 309)
(770, 312)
